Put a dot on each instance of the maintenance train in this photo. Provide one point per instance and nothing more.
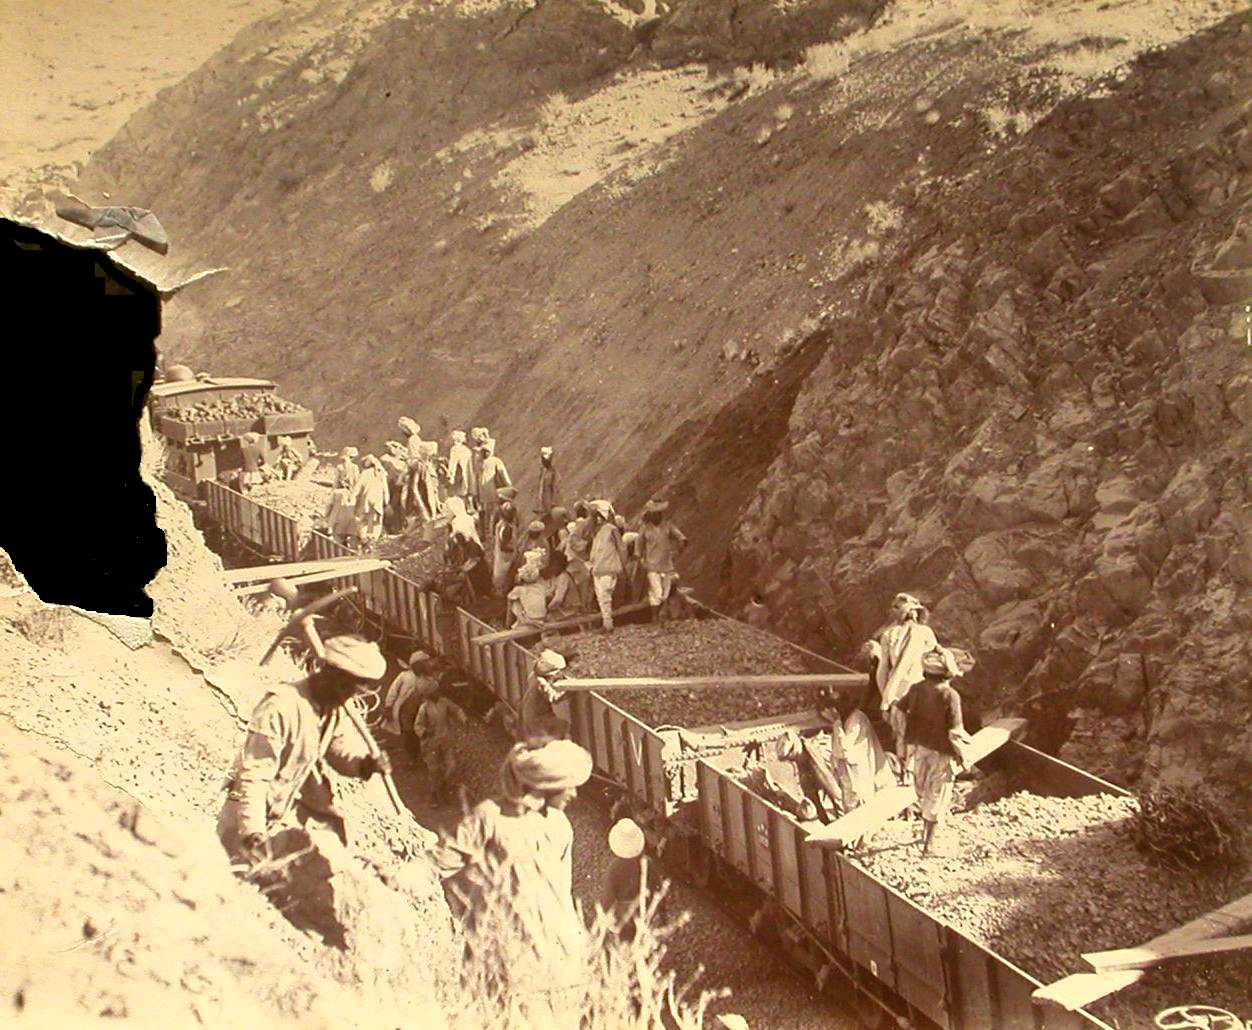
(849, 929)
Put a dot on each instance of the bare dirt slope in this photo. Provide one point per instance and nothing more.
(968, 243)
(72, 75)
(113, 755)
(536, 218)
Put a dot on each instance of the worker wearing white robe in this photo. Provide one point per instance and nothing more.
(903, 645)
(858, 760)
(492, 475)
(371, 496)
(460, 467)
(509, 871)
(346, 471)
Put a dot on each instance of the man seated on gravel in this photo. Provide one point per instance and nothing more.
(934, 731)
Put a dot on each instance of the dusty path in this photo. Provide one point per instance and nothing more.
(766, 991)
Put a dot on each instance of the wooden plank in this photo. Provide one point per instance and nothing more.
(814, 908)
(834, 679)
(869, 924)
(1082, 989)
(788, 884)
(734, 839)
(990, 738)
(889, 803)
(574, 621)
(1143, 958)
(518, 672)
(918, 944)
(1046, 774)
(1217, 923)
(499, 685)
(863, 819)
(710, 802)
(268, 572)
(408, 607)
(338, 572)
(973, 1003)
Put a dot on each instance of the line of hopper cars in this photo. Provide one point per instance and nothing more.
(853, 932)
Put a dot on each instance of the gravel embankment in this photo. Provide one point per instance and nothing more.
(692, 647)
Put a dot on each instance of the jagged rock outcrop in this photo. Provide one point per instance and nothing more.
(1047, 437)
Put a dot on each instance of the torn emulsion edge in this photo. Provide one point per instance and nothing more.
(132, 631)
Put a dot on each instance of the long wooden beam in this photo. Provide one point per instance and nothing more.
(1081, 989)
(889, 803)
(291, 568)
(884, 805)
(522, 632)
(1143, 958)
(990, 738)
(357, 568)
(829, 679)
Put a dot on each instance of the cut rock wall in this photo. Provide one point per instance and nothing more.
(1046, 437)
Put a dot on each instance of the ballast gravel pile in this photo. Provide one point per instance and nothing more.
(1041, 880)
(249, 406)
(692, 647)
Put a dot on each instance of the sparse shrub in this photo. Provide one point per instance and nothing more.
(622, 984)
(1188, 829)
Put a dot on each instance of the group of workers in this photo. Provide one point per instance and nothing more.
(564, 561)
(568, 563)
(919, 709)
(507, 863)
(413, 483)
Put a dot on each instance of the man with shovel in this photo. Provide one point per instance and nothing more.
(280, 777)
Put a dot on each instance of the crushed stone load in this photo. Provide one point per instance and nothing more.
(302, 500)
(414, 554)
(249, 406)
(692, 647)
(1041, 880)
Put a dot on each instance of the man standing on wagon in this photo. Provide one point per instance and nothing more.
(658, 538)
(608, 559)
(934, 732)
(902, 645)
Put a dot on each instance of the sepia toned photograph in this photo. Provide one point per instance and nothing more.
(626, 514)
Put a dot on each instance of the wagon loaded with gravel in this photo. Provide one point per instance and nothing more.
(212, 426)
(675, 716)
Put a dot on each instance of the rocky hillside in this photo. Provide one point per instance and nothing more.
(884, 295)
(1042, 425)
